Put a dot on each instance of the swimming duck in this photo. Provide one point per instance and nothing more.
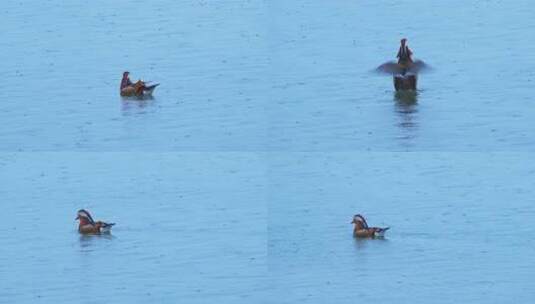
(89, 226)
(404, 71)
(138, 89)
(361, 229)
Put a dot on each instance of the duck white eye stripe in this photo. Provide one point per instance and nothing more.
(85, 214)
(359, 218)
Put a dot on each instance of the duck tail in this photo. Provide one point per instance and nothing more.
(150, 87)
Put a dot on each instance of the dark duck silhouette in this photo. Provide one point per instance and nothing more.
(362, 230)
(89, 226)
(139, 89)
(405, 70)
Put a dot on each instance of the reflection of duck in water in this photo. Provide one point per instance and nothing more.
(361, 229)
(406, 97)
(138, 89)
(89, 226)
(405, 70)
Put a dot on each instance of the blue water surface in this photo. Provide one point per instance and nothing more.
(236, 183)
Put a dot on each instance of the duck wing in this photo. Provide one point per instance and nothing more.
(390, 67)
(393, 68)
(419, 66)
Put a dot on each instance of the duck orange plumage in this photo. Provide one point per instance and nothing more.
(89, 226)
(361, 229)
(138, 89)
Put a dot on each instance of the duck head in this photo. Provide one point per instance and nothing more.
(84, 217)
(359, 221)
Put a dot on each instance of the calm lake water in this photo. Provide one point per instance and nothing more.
(460, 228)
(266, 75)
(237, 182)
(189, 227)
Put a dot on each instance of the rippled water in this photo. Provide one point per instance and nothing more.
(237, 182)
(64, 81)
(479, 96)
(460, 227)
(256, 75)
(188, 227)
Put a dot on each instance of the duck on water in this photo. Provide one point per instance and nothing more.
(89, 226)
(405, 70)
(362, 230)
(139, 89)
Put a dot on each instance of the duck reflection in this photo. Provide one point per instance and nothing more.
(361, 244)
(406, 98)
(89, 241)
(135, 104)
(406, 107)
(135, 107)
